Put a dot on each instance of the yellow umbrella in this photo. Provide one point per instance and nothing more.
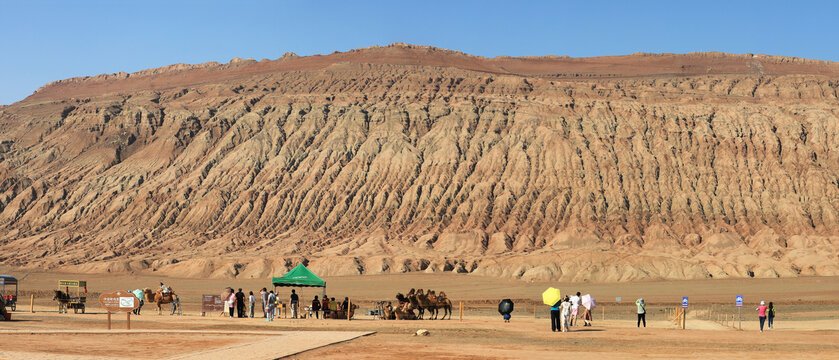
(551, 296)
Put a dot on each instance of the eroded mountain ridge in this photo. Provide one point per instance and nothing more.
(419, 159)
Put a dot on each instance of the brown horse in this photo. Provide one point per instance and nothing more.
(160, 299)
(63, 299)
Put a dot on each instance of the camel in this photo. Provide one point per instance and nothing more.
(160, 299)
(405, 311)
(429, 302)
(414, 296)
(444, 302)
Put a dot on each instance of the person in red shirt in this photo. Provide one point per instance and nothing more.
(761, 314)
(325, 306)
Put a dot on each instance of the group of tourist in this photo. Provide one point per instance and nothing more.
(243, 306)
(236, 303)
(567, 312)
(765, 313)
(328, 308)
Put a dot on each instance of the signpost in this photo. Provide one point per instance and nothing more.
(119, 301)
(211, 304)
(684, 311)
(738, 302)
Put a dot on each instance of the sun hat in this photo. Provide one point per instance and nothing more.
(762, 303)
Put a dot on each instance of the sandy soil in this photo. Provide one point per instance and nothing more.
(806, 328)
(140, 345)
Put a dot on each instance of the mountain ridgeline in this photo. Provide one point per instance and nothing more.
(415, 159)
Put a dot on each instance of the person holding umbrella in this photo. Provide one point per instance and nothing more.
(552, 298)
(505, 308)
(588, 305)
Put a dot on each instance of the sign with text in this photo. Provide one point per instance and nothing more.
(685, 302)
(738, 301)
(211, 303)
(119, 301)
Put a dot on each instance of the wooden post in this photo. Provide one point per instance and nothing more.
(32, 303)
(461, 311)
(684, 318)
(604, 313)
(349, 306)
(109, 320)
(534, 311)
(128, 320)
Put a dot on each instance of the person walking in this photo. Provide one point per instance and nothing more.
(293, 303)
(565, 314)
(345, 306)
(642, 311)
(269, 308)
(555, 325)
(263, 294)
(761, 314)
(575, 307)
(240, 303)
(770, 315)
(139, 294)
(316, 306)
(251, 303)
(231, 302)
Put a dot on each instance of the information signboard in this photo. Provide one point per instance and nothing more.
(119, 301)
(738, 301)
(211, 303)
(684, 302)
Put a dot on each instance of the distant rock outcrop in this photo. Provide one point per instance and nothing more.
(407, 158)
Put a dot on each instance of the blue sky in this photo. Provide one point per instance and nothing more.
(42, 41)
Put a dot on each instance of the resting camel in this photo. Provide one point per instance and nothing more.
(160, 299)
(405, 311)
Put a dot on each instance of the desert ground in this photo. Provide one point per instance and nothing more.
(807, 325)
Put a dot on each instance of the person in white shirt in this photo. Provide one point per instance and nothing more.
(251, 302)
(575, 306)
(565, 314)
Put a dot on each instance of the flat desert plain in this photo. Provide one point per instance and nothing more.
(807, 325)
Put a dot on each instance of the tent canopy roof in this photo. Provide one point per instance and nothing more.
(299, 276)
(8, 280)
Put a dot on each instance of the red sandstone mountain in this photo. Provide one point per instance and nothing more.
(411, 158)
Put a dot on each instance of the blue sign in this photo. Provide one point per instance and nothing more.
(738, 301)
(685, 302)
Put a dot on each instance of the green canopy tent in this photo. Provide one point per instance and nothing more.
(300, 276)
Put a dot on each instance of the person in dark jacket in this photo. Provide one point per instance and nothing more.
(555, 324)
(240, 303)
(316, 306)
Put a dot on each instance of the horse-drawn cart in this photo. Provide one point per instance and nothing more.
(10, 298)
(71, 294)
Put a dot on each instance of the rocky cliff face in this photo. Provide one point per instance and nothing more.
(408, 158)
